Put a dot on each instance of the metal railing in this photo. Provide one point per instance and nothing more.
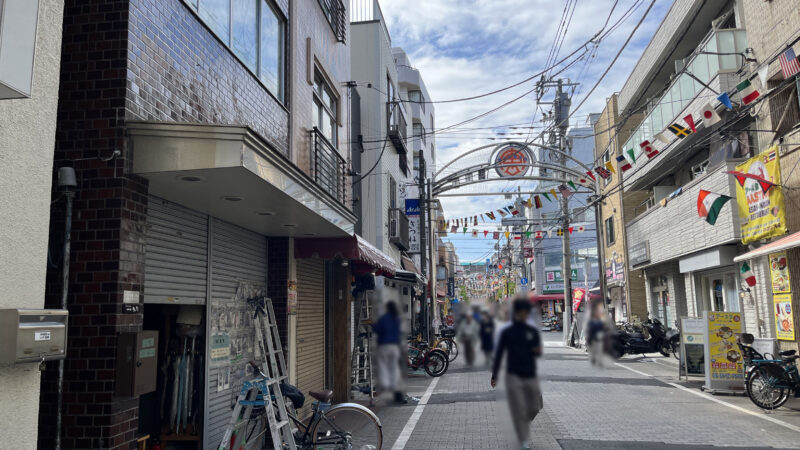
(328, 168)
(398, 228)
(336, 14)
(396, 125)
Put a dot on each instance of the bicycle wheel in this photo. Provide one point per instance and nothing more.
(347, 426)
(436, 363)
(763, 388)
(450, 347)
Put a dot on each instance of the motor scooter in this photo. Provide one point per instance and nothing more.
(632, 343)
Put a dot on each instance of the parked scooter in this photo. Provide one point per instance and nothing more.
(632, 343)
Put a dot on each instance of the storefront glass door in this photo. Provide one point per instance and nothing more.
(719, 292)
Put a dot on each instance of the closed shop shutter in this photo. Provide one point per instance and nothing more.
(176, 254)
(310, 327)
(238, 270)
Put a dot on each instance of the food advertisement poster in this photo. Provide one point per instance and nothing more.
(784, 320)
(762, 209)
(779, 273)
(724, 366)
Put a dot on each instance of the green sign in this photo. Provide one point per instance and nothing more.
(555, 275)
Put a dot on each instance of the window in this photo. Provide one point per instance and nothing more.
(254, 32)
(698, 170)
(416, 96)
(392, 193)
(389, 89)
(783, 108)
(609, 231)
(325, 108)
(334, 12)
(606, 158)
(419, 132)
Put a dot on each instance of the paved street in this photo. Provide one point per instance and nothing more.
(621, 406)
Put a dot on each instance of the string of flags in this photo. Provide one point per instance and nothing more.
(517, 235)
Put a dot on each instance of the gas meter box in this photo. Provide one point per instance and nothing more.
(32, 335)
(137, 363)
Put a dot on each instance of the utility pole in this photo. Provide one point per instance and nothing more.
(561, 109)
(423, 237)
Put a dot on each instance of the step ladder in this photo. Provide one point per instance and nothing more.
(362, 355)
(260, 391)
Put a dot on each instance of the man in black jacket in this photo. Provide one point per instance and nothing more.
(523, 344)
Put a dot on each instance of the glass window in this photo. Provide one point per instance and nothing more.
(217, 14)
(245, 31)
(688, 89)
(609, 231)
(726, 43)
(325, 108)
(699, 68)
(271, 43)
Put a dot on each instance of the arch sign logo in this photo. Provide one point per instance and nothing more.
(513, 160)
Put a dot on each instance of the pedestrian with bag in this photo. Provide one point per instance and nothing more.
(467, 333)
(487, 336)
(523, 345)
(387, 330)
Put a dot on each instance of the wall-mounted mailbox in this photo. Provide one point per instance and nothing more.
(32, 335)
(137, 363)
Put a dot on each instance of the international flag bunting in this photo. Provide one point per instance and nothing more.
(547, 196)
(602, 172)
(710, 116)
(742, 177)
(624, 165)
(496, 235)
(454, 229)
(476, 221)
(789, 63)
(507, 233)
(610, 167)
(747, 91)
(571, 229)
(513, 210)
(663, 138)
(584, 181)
(648, 149)
(490, 215)
(690, 120)
(553, 192)
(517, 237)
(539, 235)
(679, 131)
(537, 201)
(725, 99)
(564, 190)
(581, 229)
(465, 230)
(591, 175)
(748, 275)
(502, 213)
(709, 205)
(572, 185)
(529, 203)
(560, 232)
(474, 233)
(485, 233)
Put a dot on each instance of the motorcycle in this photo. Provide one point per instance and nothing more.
(632, 343)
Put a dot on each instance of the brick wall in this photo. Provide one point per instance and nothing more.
(107, 237)
(178, 71)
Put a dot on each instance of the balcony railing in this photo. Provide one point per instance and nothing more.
(328, 168)
(335, 13)
(398, 228)
(397, 125)
(705, 65)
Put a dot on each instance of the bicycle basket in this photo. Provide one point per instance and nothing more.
(448, 332)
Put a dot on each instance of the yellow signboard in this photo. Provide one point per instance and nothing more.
(784, 319)
(763, 211)
(724, 368)
(779, 271)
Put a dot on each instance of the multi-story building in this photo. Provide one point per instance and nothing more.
(392, 99)
(771, 31)
(212, 167)
(686, 263)
(30, 56)
(624, 287)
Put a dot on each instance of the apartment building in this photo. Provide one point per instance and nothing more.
(696, 53)
(212, 164)
(625, 288)
(30, 58)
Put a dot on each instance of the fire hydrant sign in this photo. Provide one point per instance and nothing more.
(724, 366)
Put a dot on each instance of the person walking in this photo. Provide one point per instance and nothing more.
(595, 331)
(387, 329)
(467, 333)
(523, 344)
(487, 336)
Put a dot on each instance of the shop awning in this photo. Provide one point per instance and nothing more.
(409, 265)
(354, 248)
(441, 293)
(790, 241)
(541, 297)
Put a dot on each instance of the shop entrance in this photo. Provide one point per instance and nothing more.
(663, 308)
(718, 292)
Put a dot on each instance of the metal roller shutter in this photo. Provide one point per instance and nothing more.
(176, 254)
(237, 256)
(310, 327)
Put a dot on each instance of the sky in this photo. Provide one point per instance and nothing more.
(468, 47)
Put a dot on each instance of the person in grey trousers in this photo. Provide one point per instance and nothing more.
(523, 344)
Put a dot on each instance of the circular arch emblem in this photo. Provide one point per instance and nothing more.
(507, 158)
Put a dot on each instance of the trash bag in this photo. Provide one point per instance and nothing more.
(294, 394)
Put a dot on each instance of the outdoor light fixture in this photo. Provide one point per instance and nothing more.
(290, 225)
(190, 178)
(232, 198)
(265, 213)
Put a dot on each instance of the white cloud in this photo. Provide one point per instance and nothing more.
(468, 47)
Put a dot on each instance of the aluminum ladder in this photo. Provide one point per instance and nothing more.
(362, 379)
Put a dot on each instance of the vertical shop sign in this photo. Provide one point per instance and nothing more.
(724, 367)
(412, 212)
(784, 318)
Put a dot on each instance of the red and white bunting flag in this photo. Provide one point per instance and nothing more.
(584, 181)
(496, 235)
(710, 116)
(502, 213)
(747, 91)
(539, 234)
(581, 228)
(485, 233)
(748, 275)
(648, 149)
(591, 175)
(512, 209)
(690, 120)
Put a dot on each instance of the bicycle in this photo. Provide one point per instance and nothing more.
(433, 360)
(768, 382)
(444, 342)
(344, 426)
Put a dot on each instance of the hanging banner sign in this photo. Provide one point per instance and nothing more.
(507, 158)
(784, 318)
(779, 273)
(724, 367)
(764, 211)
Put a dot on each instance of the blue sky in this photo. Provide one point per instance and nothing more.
(468, 47)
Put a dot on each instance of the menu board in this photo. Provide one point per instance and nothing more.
(724, 366)
(779, 273)
(693, 345)
(784, 319)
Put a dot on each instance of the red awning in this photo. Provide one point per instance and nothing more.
(790, 241)
(441, 293)
(540, 297)
(354, 248)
